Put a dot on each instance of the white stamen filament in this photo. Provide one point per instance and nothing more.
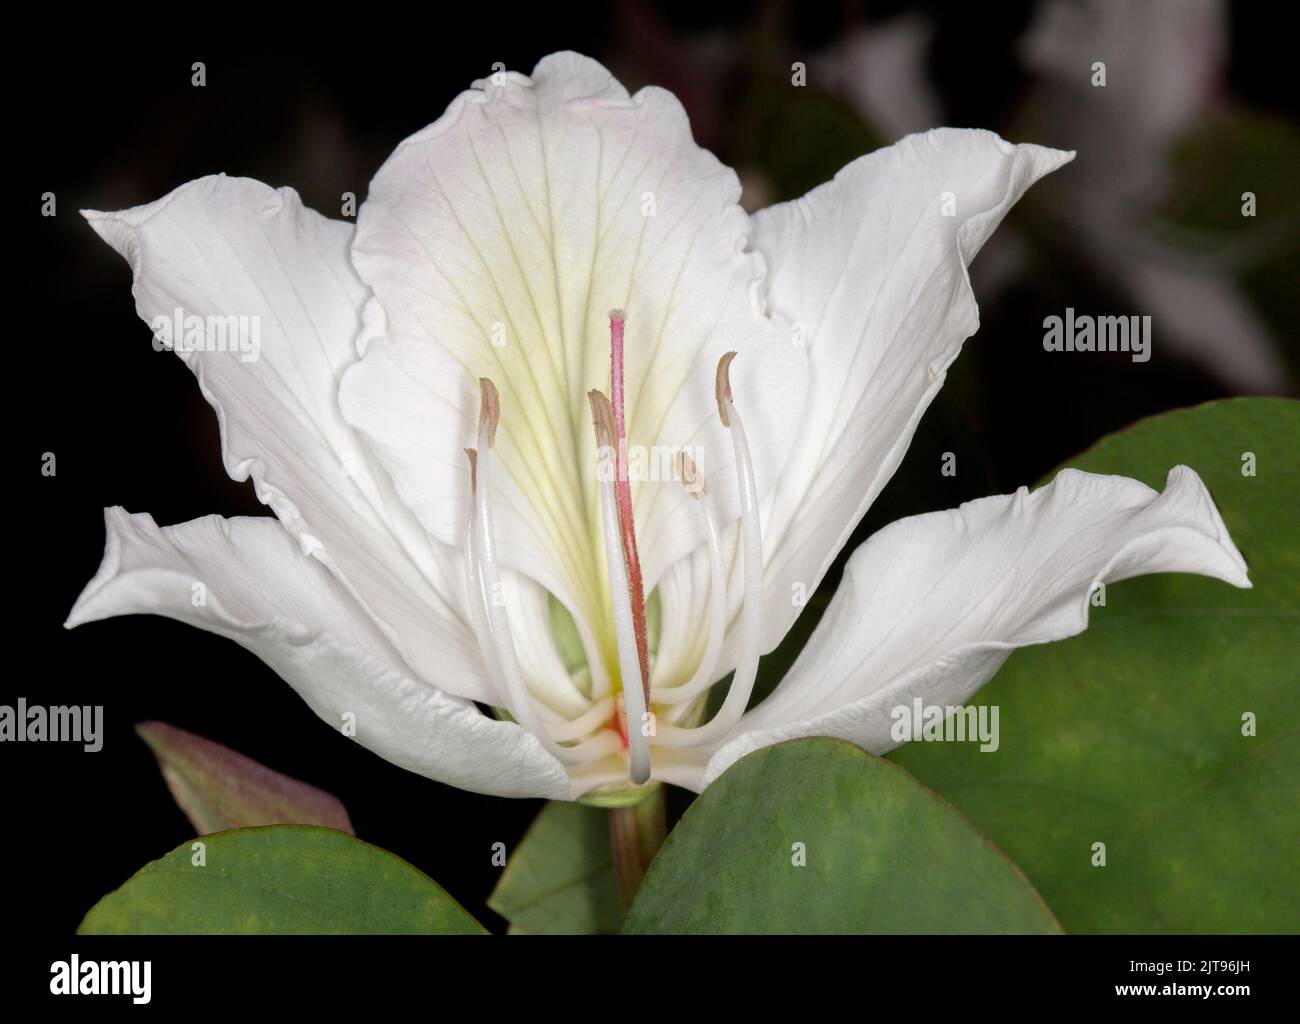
(742, 683)
(704, 676)
(628, 662)
(600, 681)
(501, 640)
(563, 729)
(474, 588)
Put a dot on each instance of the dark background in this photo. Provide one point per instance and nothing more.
(112, 121)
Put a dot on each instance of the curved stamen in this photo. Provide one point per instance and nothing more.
(742, 683)
(474, 584)
(634, 697)
(489, 579)
(559, 728)
(600, 681)
(703, 677)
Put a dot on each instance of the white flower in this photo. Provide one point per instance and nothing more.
(493, 245)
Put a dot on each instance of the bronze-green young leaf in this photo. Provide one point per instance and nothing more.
(219, 788)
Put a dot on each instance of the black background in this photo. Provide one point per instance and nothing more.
(110, 120)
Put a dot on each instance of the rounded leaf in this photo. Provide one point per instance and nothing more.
(279, 880)
(818, 836)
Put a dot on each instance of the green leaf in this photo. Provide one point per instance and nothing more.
(279, 880)
(219, 788)
(1131, 734)
(883, 854)
(559, 881)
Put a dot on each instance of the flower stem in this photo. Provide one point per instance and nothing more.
(635, 835)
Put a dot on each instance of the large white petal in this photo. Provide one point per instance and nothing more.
(871, 268)
(259, 590)
(521, 217)
(232, 247)
(931, 606)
